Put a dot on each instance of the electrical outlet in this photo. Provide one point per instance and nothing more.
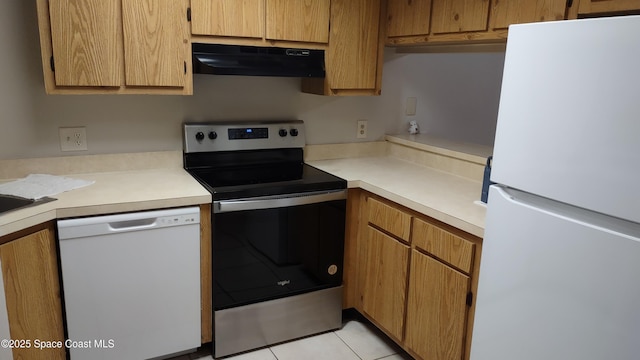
(73, 139)
(362, 129)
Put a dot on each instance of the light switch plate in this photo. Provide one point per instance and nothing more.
(410, 108)
(73, 139)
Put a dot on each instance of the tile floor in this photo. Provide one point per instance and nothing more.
(357, 340)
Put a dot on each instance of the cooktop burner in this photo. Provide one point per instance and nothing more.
(240, 160)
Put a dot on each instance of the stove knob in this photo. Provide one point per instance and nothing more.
(199, 136)
(293, 132)
(213, 135)
(282, 132)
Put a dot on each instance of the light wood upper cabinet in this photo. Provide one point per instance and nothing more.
(436, 309)
(450, 16)
(280, 23)
(608, 6)
(235, 18)
(408, 17)
(298, 20)
(155, 42)
(353, 58)
(85, 42)
(32, 292)
(115, 46)
(507, 12)
(413, 22)
(386, 267)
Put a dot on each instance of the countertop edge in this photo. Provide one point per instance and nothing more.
(423, 209)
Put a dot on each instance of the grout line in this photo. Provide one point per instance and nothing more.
(350, 348)
(272, 353)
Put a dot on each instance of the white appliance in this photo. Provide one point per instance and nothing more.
(132, 284)
(560, 271)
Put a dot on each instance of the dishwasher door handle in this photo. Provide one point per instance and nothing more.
(277, 201)
(128, 225)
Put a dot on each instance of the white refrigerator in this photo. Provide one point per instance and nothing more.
(560, 271)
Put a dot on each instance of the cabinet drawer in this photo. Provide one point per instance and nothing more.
(389, 219)
(444, 245)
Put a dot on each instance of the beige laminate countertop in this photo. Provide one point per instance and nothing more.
(438, 194)
(113, 192)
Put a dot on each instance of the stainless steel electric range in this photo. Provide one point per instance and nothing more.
(278, 228)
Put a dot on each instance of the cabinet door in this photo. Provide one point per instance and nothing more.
(449, 16)
(507, 12)
(408, 17)
(30, 276)
(385, 284)
(85, 37)
(236, 18)
(298, 20)
(352, 58)
(607, 6)
(436, 309)
(156, 41)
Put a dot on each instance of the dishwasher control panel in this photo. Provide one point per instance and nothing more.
(179, 220)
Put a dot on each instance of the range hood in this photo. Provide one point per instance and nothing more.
(257, 61)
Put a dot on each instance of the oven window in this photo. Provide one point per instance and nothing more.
(266, 254)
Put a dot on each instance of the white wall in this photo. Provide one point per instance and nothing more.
(457, 97)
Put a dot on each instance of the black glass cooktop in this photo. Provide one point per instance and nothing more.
(239, 174)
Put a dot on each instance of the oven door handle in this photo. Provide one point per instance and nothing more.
(278, 201)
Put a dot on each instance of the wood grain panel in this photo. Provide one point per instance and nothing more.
(408, 17)
(448, 16)
(607, 6)
(206, 276)
(156, 42)
(298, 20)
(32, 289)
(236, 18)
(390, 219)
(507, 12)
(351, 263)
(353, 49)
(386, 281)
(444, 245)
(86, 42)
(436, 309)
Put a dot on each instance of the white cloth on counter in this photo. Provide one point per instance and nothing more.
(37, 186)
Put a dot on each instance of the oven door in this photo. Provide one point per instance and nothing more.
(272, 247)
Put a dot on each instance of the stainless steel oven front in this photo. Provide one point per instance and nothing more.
(276, 260)
(278, 229)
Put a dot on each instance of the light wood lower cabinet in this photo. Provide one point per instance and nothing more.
(32, 291)
(412, 276)
(436, 309)
(387, 261)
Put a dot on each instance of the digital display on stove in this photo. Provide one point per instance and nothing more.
(248, 133)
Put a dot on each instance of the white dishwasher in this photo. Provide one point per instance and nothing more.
(131, 284)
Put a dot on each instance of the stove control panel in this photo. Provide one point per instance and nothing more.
(231, 136)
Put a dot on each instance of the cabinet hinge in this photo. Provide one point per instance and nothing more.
(188, 14)
(52, 64)
(569, 3)
(469, 298)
